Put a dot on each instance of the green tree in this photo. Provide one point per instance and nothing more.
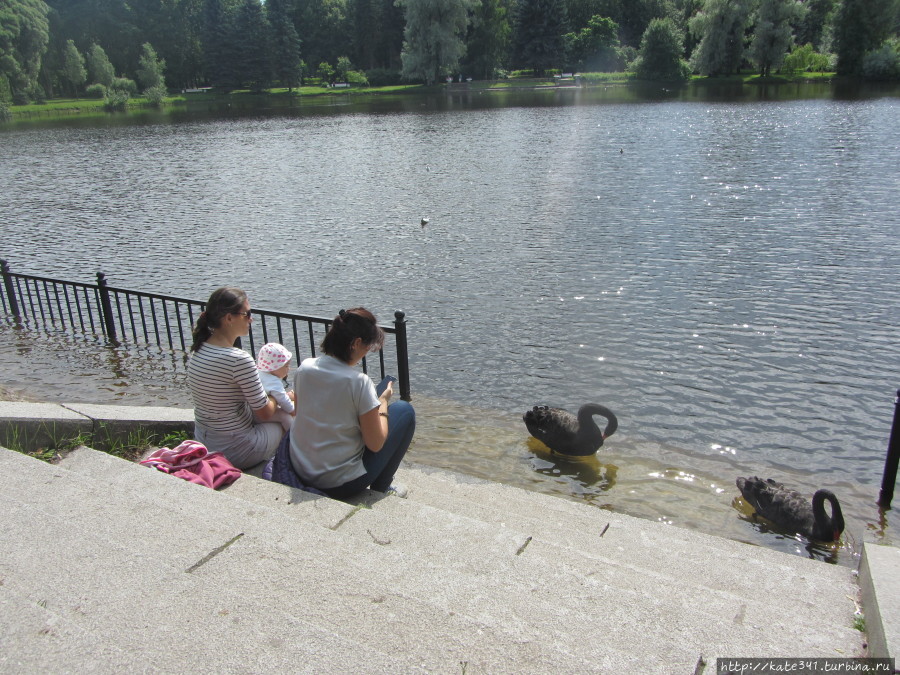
(772, 34)
(324, 28)
(804, 59)
(390, 41)
(862, 26)
(883, 63)
(173, 27)
(73, 68)
(24, 34)
(364, 16)
(595, 47)
(220, 59)
(433, 39)
(720, 27)
(811, 27)
(342, 68)
(100, 70)
(487, 44)
(325, 71)
(539, 27)
(285, 44)
(376, 33)
(631, 16)
(581, 11)
(252, 42)
(111, 23)
(683, 11)
(150, 73)
(661, 53)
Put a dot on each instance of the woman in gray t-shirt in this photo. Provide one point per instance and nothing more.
(345, 438)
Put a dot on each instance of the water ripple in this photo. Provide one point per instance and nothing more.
(722, 275)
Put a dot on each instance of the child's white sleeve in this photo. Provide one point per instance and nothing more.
(275, 388)
(282, 399)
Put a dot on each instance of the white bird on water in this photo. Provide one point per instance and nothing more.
(424, 221)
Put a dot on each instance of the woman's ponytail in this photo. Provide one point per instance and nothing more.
(223, 301)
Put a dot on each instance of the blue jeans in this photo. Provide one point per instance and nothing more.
(382, 465)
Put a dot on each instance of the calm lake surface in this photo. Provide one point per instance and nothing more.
(721, 271)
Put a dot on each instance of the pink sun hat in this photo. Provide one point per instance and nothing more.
(272, 356)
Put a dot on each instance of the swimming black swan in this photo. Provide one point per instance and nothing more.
(563, 432)
(792, 511)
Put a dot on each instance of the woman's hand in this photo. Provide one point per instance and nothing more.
(387, 393)
(374, 424)
(265, 413)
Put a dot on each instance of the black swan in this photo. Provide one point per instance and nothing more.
(792, 511)
(566, 434)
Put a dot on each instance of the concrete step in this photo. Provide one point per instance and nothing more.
(606, 572)
(161, 618)
(38, 640)
(461, 544)
(351, 591)
(606, 536)
(459, 587)
(525, 573)
(455, 592)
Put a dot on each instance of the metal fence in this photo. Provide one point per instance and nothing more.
(124, 316)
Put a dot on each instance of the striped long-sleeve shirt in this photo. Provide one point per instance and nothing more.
(225, 388)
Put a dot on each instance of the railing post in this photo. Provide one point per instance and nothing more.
(402, 355)
(106, 308)
(893, 458)
(10, 289)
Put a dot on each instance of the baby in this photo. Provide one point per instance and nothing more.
(273, 363)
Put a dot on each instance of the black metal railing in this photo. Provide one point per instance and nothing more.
(124, 316)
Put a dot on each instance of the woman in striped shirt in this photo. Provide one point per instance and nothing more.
(225, 385)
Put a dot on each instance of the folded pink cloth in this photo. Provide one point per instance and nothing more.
(182, 456)
(192, 462)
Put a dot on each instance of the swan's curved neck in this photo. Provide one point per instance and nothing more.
(834, 522)
(586, 417)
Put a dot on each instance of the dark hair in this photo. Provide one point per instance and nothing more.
(223, 301)
(348, 325)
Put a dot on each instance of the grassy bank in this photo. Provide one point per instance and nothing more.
(245, 98)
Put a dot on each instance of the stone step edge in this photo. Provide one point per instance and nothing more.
(261, 494)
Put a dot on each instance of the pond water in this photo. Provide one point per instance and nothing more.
(719, 270)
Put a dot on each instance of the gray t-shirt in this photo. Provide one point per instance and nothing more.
(326, 439)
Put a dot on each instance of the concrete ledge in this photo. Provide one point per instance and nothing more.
(115, 422)
(30, 426)
(37, 425)
(879, 580)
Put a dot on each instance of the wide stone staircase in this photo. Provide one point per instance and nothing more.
(107, 566)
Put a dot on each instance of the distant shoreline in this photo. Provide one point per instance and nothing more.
(188, 99)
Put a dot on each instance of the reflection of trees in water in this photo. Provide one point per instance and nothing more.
(583, 475)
